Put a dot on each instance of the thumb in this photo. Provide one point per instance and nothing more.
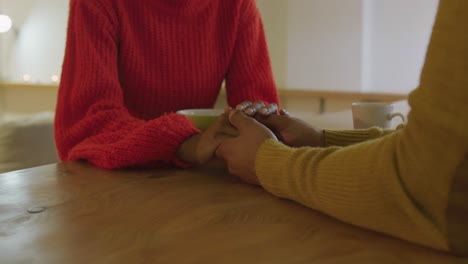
(240, 120)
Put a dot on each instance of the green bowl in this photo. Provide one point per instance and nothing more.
(202, 118)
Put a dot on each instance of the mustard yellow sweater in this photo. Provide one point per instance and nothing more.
(413, 183)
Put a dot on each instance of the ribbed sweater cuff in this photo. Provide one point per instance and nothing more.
(349, 137)
(181, 128)
(271, 166)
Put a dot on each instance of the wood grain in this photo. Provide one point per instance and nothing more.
(175, 216)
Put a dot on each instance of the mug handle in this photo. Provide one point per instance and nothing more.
(402, 116)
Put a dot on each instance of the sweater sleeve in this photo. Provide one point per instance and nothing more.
(92, 122)
(410, 184)
(250, 75)
(349, 137)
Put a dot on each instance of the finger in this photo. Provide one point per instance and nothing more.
(221, 120)
(284, 112)
(240, 120)
(228, 130)
(243, 105)
(253, 109)
(224, 127)
(227, 109)
(269, 109)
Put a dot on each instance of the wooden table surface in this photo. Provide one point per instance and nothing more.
(175, 216)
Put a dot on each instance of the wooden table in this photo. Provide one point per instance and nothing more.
(175, 216)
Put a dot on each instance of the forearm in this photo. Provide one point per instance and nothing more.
(360, 184)
(122, 141)
(350, 137)
(250, 74)
(409, 183)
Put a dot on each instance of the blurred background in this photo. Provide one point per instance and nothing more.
(324, 45)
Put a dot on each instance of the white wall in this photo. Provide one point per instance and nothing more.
(357, 45)
(38, 48)
(275, 20)
(324, 44)
(399, 31)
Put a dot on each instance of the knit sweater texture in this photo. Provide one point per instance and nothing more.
(129, 65)
(413, 183)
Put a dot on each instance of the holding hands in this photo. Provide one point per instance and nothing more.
(293, 131)
(201, 148)
(239, 152)
(255, 124)
(237, 134)
(290, 130)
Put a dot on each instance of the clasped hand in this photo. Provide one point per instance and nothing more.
(236, 136)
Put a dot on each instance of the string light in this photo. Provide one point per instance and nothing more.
(26, 77)
(54, 78)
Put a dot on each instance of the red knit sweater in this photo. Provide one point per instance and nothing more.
(129, 65)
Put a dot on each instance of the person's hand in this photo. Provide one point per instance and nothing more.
(293, 131)
(257, 108)
(239, 152)
(200, 148)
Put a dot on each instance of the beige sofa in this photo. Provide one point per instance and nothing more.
(26, 141)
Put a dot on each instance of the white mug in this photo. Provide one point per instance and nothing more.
(370, 114)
